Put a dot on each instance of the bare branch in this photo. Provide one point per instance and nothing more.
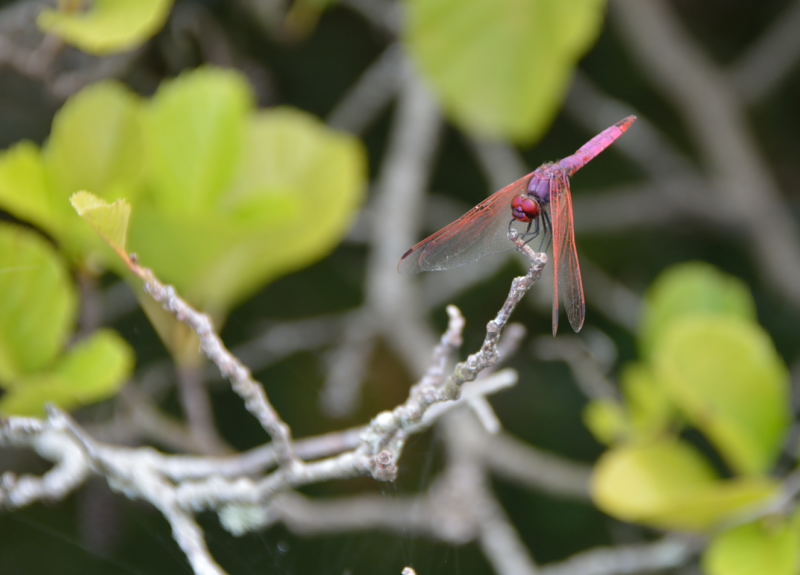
(371, 93)
(666, 553)
(393, 216)
(196, 404)
(524, 464)
(253, 394)
(346, 365)
(69, 471)
(672, 174)
(385, 14)
(769, 60)
(586, 369)
(487, 356)
(716, 120)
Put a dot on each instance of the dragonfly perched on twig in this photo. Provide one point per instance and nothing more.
(539, 202)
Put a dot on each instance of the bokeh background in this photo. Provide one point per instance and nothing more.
(708, 173)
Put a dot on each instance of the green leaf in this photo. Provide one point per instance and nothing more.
(651, 409)
(92, 371)
(730, 382)
(109, 26)
(501, 67)
(667, 484)
(195, 133)
(296, 192)
(96, 143)
(317, 177)
(606, 420)
(110, 221)
(24, 189)
(771, 545)
(37, 303)
(691, 289)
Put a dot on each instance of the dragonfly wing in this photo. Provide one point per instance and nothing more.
(482, 230)
(567, 280)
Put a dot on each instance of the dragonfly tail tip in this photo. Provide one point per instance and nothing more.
(626, 122)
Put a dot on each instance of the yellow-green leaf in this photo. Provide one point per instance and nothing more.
(25, 191)
(96, 143)
(296, 192)
(771, 545)
(691, 289)
(109, 25)
(37, 303)
(92, 371)
(109, 220)
(501, 67)
(650, 407)
(195, 134)
(730, 382)
(606, 420)
(667, 484)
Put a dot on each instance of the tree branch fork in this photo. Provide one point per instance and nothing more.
(241, 488)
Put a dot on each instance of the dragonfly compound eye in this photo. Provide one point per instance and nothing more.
(524, 208)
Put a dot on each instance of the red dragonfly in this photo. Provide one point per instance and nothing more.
(538, 201)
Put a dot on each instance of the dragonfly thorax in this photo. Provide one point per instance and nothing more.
(539, 186)
(525, 208)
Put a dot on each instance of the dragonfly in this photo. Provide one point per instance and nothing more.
(538, 202)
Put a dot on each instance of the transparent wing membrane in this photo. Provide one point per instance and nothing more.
(567, 280)
(482, 230)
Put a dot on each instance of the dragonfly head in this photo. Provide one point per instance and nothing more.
(525, 208)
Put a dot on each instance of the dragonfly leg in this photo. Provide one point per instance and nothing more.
(548, 232)
(529, 234)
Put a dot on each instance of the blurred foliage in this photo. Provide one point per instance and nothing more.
(226, 198)
(105, 26)
(710, 366)
(37, 317)
(693, 289)
(729, 382)
(667, 483)
(501, 67)
(770, 545)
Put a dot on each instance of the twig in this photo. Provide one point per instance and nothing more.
(524, 464)
(274, 342)
(769, 60)
(70, 469)
(587, 371)
(716, 120)
(196, 403)
(611, 298)
(394, 216)
(255, 399)
(672, 174)
(384, 14)
(499, 161)
(669, 552)
(466, 479)
(371, 93)
(145, 419)
(487, 355)
(146, 474)
(346, 365)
